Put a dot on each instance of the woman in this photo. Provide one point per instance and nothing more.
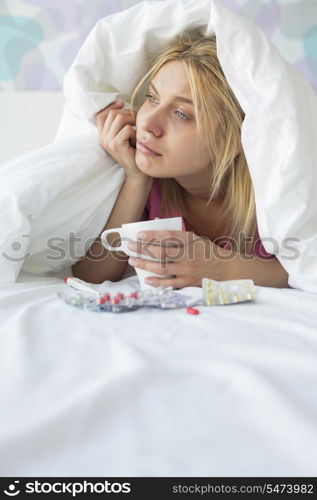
(183, 157)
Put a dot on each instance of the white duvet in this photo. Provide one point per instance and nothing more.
(229, 392)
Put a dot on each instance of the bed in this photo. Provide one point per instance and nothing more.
(231, 391)
(228, 392)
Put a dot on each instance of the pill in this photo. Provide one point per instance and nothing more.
(134, 295)
(101, 300)
(192, 310)
(106, 296)
(120, 295)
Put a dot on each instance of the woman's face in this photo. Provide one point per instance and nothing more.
(167, 125)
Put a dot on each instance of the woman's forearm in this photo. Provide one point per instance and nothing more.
(100, 264)
(264, 272)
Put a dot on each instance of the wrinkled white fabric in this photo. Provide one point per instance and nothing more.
(229, 392)
(54, 202)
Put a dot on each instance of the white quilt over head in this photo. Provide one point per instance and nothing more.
(278, 134)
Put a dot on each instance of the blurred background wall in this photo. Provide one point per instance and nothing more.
(40, 38)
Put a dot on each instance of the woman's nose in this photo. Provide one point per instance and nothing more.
(150, 121)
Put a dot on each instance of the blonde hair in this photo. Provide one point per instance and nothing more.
(228, 165)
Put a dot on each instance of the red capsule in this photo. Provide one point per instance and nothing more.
(115, 300)
(134, 295)
(120, 295)
(192, 310)
(101, 300)
(106, 296)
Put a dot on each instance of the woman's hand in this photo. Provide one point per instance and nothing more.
(118, 137)
(188, 257)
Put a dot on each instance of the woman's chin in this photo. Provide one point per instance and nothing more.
(149, 166)
(145, 163)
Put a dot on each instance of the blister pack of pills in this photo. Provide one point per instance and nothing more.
(227, 292)
(162, 298)
(96, 298)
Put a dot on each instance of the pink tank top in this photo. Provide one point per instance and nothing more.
(153, 206)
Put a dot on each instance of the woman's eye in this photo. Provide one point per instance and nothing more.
(180, 114)
(149, 96)
(186, 117)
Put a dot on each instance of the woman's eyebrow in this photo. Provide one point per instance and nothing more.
(176, 97)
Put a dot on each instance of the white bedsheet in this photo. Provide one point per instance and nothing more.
(229, 392)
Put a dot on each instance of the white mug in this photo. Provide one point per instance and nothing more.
(129, 232)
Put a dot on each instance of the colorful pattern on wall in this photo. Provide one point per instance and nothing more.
(40, 38)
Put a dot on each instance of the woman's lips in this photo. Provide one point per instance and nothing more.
(141, 147)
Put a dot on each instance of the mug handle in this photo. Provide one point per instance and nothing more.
(104, 239)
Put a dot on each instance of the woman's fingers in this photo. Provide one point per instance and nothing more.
(119, 120)
(159, 252)
(125, 137)
(117, 129)
(118, 139)
(103, 113)
(155, 267)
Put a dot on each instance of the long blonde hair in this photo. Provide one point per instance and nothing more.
(228, 165)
